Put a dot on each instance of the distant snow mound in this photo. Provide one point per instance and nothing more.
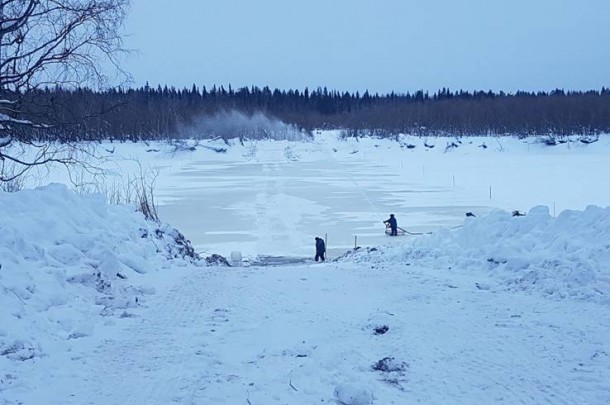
(567, 256)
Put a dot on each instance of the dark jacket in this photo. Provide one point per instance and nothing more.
(392, 222)
(320, 248)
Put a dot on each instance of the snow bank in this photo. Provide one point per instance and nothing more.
(65, 259)
(567, 256)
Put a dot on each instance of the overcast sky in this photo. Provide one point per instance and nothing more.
(379, 45)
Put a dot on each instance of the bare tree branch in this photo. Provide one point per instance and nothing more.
(58, 43)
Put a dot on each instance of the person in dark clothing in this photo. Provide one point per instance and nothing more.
(393, 225)
(320, 249)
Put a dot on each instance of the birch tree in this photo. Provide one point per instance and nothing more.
(50, 43)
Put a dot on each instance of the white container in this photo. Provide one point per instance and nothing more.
(236, 259)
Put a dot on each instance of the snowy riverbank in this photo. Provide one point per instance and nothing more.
(96, 308)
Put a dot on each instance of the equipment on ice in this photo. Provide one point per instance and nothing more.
(236, 258)
(399, 230)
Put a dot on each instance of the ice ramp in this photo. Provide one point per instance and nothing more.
(278, 260)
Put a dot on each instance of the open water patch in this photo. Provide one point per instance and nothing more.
(262, 260)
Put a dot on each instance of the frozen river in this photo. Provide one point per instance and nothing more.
(273, 198)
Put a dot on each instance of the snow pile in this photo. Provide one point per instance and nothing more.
(352, 394)
(66, 258)
(567, 256)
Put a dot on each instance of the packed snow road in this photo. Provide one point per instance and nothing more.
(344, 331)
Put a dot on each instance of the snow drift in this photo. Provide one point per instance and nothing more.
(66, 258)
(567, 256)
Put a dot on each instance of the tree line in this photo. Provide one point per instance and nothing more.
(148, 113)
(50, 51)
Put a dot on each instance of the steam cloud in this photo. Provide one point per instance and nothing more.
(234, 124)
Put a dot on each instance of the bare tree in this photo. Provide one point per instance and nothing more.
(50, 43)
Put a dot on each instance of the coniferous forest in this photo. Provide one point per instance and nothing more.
(149, 113)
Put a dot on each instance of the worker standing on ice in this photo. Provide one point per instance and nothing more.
(320, 249)
(391, 222)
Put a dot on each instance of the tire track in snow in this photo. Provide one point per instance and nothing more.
(277, 212)
(156, 360)
(289, 335)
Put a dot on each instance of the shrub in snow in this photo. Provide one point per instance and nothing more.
(19, 350)
(389, 365)
(394, 371)
(176, 245)
(549, 140)
(450, 146)
(216, 260)
(589, 139)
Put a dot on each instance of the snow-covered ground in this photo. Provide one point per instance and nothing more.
(99, 306)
